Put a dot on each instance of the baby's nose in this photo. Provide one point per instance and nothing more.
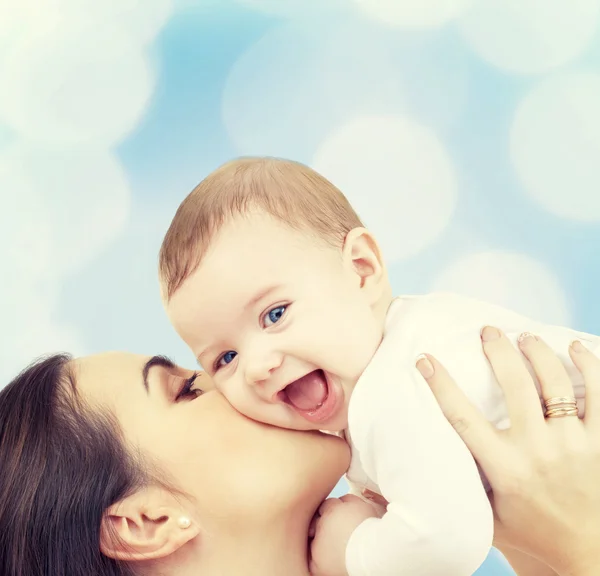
(260, 369)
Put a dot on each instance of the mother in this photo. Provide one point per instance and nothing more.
(118, 465)
(124, 465)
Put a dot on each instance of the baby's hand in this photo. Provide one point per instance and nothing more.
(332, 526)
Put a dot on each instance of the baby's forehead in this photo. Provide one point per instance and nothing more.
(245, 260)
(251, 244)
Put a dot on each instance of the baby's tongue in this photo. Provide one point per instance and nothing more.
(307, 393)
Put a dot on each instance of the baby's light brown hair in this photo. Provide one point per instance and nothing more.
(288, 191)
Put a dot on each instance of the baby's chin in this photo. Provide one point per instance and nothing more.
(334, 428)
(337, 423)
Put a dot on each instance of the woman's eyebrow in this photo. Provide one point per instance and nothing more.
(155, 361)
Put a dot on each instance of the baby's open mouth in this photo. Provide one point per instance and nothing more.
(311, 396)
(308, 393)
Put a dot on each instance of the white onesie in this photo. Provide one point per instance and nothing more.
(439, 520)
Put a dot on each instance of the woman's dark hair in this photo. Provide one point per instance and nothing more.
(61, 467)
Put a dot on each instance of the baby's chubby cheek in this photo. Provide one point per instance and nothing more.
(205, 382)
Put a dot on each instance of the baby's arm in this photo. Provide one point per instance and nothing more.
(451, 328)
(439, 520)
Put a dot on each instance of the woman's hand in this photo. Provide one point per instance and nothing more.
(544, 473)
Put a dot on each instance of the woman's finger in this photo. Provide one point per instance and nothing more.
(520, 393)
(589, 366)
(554, 380)
(551, 373)
(477, 433)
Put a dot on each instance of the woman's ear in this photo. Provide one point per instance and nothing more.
(362, 255)
(147, 525)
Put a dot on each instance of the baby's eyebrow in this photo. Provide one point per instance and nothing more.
(262, 294)
(201, 353)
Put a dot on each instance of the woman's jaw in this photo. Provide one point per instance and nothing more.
(269, 533)
(252, 488)
(264, 549)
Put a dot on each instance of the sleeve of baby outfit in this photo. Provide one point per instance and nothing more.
(439, 520)
(461, 319)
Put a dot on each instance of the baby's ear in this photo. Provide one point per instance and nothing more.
(362, 254)
(147, 525)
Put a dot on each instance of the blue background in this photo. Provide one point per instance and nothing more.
(465, 132)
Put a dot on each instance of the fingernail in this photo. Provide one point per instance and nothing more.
(489, 333)
(577, 346)
(526, 337)
(424, 366)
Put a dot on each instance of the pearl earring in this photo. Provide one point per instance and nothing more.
(184, 522)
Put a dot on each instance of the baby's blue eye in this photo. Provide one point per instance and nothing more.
(274, 315)
(226, 358)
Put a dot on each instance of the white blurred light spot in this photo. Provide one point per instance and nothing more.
(76, 79)
(290, 8)
(555, 145)
(415, 14)
(398, 177)
(33, 338)
(60, 208)
(28, 301)
(48, 337)
(140, 20)
(68, 88)
(296, 83)
(530, 36)
(11, 16)
(514, 281)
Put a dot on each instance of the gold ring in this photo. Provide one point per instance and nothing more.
(562, 409)
(562, 413)
(560, 406)
(560, 400)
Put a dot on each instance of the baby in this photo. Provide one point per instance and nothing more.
(270, 278)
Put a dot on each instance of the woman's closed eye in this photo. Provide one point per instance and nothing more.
(187, 391)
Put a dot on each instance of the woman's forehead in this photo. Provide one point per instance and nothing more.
(103, 375)
(123, 374)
